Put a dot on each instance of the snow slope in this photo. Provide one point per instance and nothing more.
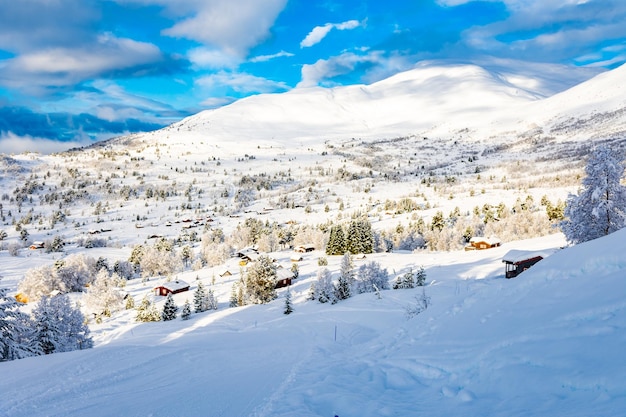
(549, 342)
(434, 98)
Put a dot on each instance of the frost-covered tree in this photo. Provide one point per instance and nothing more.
(212, 300)
(343, 288)
(76, 271)
(323, 289)
(186, 313)
(360, 238)
(410, 279)
(600, 207)
(371, 277)
(170, 309)
(288, 304)
(102, 297)
(59, 326)
(17, 335)
(200, 298)
(260, 281)
(157, 260)
(336, 241)
(146, 311)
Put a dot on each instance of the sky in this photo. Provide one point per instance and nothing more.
(75, 71)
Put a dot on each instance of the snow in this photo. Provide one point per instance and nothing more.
(548, 342)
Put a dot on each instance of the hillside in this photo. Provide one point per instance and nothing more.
(429, 158)
(548, 342)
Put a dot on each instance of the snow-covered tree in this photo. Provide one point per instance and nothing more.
(260, 281)
(336, 241)
(76, 271)
(59, 326)
(102, 296)
(343, 288)
(323, 290)
(170, 309)
(186, 313)
(288, 304)
(146, 311)
(360, 238)
(212, 300)
(17, 336)
(371, 278)
(600, 207)
(200, 299)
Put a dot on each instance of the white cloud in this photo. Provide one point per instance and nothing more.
(234, 26)
(319, 32)
(63, 66)
(242, 83)
(325, 69)
(11, 143)
(212, 58)
(265, 58)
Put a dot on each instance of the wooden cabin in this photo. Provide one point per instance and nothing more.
(284, 277)
(481, 243)
(304, 248)
(518, 261)
(173, 287)
(36, 245)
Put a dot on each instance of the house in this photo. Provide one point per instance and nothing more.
(36, 245)
(479, 243)
(226, 273)
(305, 248)
(295, 257)
(173, 287)
(517, 261)
(284, 277)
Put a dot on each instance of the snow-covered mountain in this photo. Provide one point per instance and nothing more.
(432, 98)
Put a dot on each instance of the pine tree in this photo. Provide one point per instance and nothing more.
(17, 336)
(288, 305)
(186, 313)
(130, 302)
(200, 299)
(600, 208)
(420, 277)
(360, 238)
(336, 241)
(60, 327)
(211, 300)
(232, 302)
(147, 311)
(170, 309)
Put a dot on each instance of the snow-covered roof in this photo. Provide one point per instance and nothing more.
(488, 240)
(284, 273)
(516, 255)
(174, 285)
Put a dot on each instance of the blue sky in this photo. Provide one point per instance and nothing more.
(80, 70)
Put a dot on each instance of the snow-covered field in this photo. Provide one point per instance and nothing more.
(549, 342)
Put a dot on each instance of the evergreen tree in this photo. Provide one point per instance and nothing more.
(336, 241)
(200, 299)
(233, 302)
(130, 302)
(404, 281)
(360, 238)
(288, 305)
(170, 309)
(420, 277)
(438, 221)
(260, 281)
(347, 268)
(186, 313)
(147, 311)
(60, 327)
(17, 336)
(600, 208)
(295, 269)
(211, 300)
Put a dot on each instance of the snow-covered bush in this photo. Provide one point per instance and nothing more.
(260, 281)
(102, 298)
